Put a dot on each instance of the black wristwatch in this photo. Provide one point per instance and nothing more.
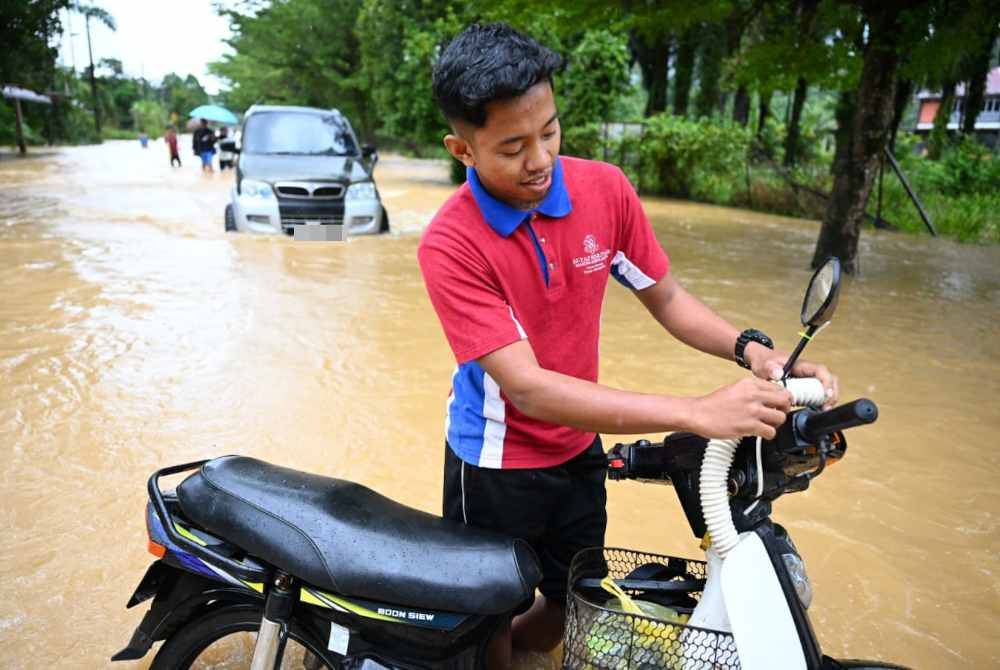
(746, 337)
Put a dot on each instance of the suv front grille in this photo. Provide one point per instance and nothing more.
(300, 211)
(309, 190)
(293, 191)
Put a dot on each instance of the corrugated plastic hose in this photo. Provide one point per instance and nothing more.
(806, 392)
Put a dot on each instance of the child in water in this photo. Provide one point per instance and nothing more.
(170, 137)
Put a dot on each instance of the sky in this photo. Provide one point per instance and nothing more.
(154, 37)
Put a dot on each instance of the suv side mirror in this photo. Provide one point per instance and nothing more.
(368, 152)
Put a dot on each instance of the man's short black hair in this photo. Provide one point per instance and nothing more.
(486, 63)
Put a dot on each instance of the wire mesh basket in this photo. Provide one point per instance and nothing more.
(601, 634)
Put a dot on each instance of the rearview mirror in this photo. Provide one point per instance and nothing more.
(821, 297)
(818, 306)
(368, 152)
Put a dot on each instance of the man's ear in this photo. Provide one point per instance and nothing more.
(459, 147)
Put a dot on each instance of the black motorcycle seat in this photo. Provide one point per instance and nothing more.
(344, 537)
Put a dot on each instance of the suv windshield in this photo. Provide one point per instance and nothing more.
(298, 133)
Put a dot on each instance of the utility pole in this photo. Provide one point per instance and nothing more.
(19, 128)
(93, 82)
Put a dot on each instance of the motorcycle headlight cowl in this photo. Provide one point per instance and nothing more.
(797, 571)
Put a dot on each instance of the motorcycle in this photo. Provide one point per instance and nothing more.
(305, 571)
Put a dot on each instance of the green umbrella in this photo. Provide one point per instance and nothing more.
(214, 113)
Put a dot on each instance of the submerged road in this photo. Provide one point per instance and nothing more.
(135, 333)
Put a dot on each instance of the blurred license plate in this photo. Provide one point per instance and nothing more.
(315, 232)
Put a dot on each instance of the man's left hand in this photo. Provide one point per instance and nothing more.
(768, 364)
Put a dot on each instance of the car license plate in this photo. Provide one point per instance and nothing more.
(315, 232)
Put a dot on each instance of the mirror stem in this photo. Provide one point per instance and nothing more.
(810, 331)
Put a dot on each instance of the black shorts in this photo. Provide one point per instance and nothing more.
(558, 510)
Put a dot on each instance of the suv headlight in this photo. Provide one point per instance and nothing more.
(364, 190)
(797, 571)
(256, 189)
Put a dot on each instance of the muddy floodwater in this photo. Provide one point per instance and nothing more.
(135, 334)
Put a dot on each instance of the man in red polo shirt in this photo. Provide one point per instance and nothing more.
(516, 264)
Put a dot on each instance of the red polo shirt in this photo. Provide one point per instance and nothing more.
(496, 275)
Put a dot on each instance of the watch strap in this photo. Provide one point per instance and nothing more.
(746, 337)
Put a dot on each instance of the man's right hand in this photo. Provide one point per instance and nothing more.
(751, 406)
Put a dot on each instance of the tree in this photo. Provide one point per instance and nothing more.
(763, 111)
(686, 51)
(399, 79)
(149, 116)
(806, 11)
(713, 50)
(736, 24)
(923, 40)
(180, 96)
(92, 12)
(974, 70)
(302, 52)
(26, 29)
(858, 158)
(653, 54)
(595, 78)
(939, 133)
(28, 59)
(792, 132)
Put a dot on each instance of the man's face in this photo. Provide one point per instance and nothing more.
(515, 152)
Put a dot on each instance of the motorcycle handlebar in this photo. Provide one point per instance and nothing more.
(852, 414)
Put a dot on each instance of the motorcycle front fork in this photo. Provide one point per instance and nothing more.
(273, 632)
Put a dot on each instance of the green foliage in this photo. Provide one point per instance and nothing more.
(967, 167)
(713, 50)
(585, 140)
(776, 52)
(108, 133)
(302, 52)
(7, 131)
(595, 80)
(400, 40)
(959, 192)
(95, 14)
(149, 116)
(182, 95)
(27, 32)
(685, 158)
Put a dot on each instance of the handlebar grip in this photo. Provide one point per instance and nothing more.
(852, 414)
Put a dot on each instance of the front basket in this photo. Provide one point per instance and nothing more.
(600, 636)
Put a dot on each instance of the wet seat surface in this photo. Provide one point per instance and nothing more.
(343, 537)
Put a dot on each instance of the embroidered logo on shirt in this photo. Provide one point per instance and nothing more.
(593, 260)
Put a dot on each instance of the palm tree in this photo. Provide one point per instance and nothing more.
(91, 12)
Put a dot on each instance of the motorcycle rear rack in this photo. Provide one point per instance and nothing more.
(239, 569)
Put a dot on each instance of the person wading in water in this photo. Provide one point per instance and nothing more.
(203, 143)
(516, 264)
(170, 137)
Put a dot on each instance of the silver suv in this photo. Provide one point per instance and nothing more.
(302, 166)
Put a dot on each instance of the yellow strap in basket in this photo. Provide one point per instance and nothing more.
(608, 584)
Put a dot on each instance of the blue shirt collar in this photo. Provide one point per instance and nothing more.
(504, 219)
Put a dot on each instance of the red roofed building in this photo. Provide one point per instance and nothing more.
(988, 121)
